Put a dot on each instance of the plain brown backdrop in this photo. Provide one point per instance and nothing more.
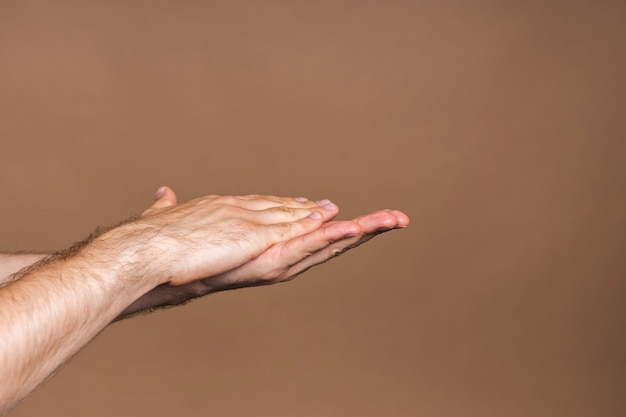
(498, 126)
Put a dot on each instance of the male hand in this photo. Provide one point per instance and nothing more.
(213, 234)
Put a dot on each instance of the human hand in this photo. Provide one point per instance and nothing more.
(286, 260)
(281, 262)
(211, 235)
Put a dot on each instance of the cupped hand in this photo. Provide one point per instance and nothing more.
(287, 260)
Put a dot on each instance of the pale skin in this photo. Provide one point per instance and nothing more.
(169, 255)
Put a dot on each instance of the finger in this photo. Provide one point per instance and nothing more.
(307, 248)
(295, 250)
(370, 225)
(282, 214)
(403, 219)
(286, 260)
(165, 197)
(381, 220)
(329, 252)
(264, 202)
(282, 232)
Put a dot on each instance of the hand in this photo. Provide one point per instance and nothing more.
(287, 260)
(281, 262)
(211, 235)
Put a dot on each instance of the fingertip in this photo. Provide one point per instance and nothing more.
(403, 219)
(165, 196)
(160, 192)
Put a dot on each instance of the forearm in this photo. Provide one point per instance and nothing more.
(161, 296)
(55, 309)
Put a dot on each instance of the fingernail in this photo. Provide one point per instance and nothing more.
(315, 215)
(160, 193)
(322, 202)
(301, 199)
(329, 206)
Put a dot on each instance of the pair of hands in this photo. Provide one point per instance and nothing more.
(218, 243)
(169, 255)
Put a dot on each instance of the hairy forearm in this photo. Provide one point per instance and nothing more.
(56, 308)
(12, 265)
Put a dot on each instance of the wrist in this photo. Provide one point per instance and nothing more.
(126, 256)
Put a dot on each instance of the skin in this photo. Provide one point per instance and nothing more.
(169, 255)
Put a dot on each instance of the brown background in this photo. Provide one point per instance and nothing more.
(498, 126)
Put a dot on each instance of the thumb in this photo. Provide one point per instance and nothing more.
(165, 197)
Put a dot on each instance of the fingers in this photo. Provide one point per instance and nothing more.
(286, 260)
(274, 264)
(282, 232)
(270, 209)
(283, 214)
(382, 220)
(369, 225)
(165, 197)
(302, 247)
(264, 202)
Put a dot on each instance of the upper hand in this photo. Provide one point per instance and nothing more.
(213, 234)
